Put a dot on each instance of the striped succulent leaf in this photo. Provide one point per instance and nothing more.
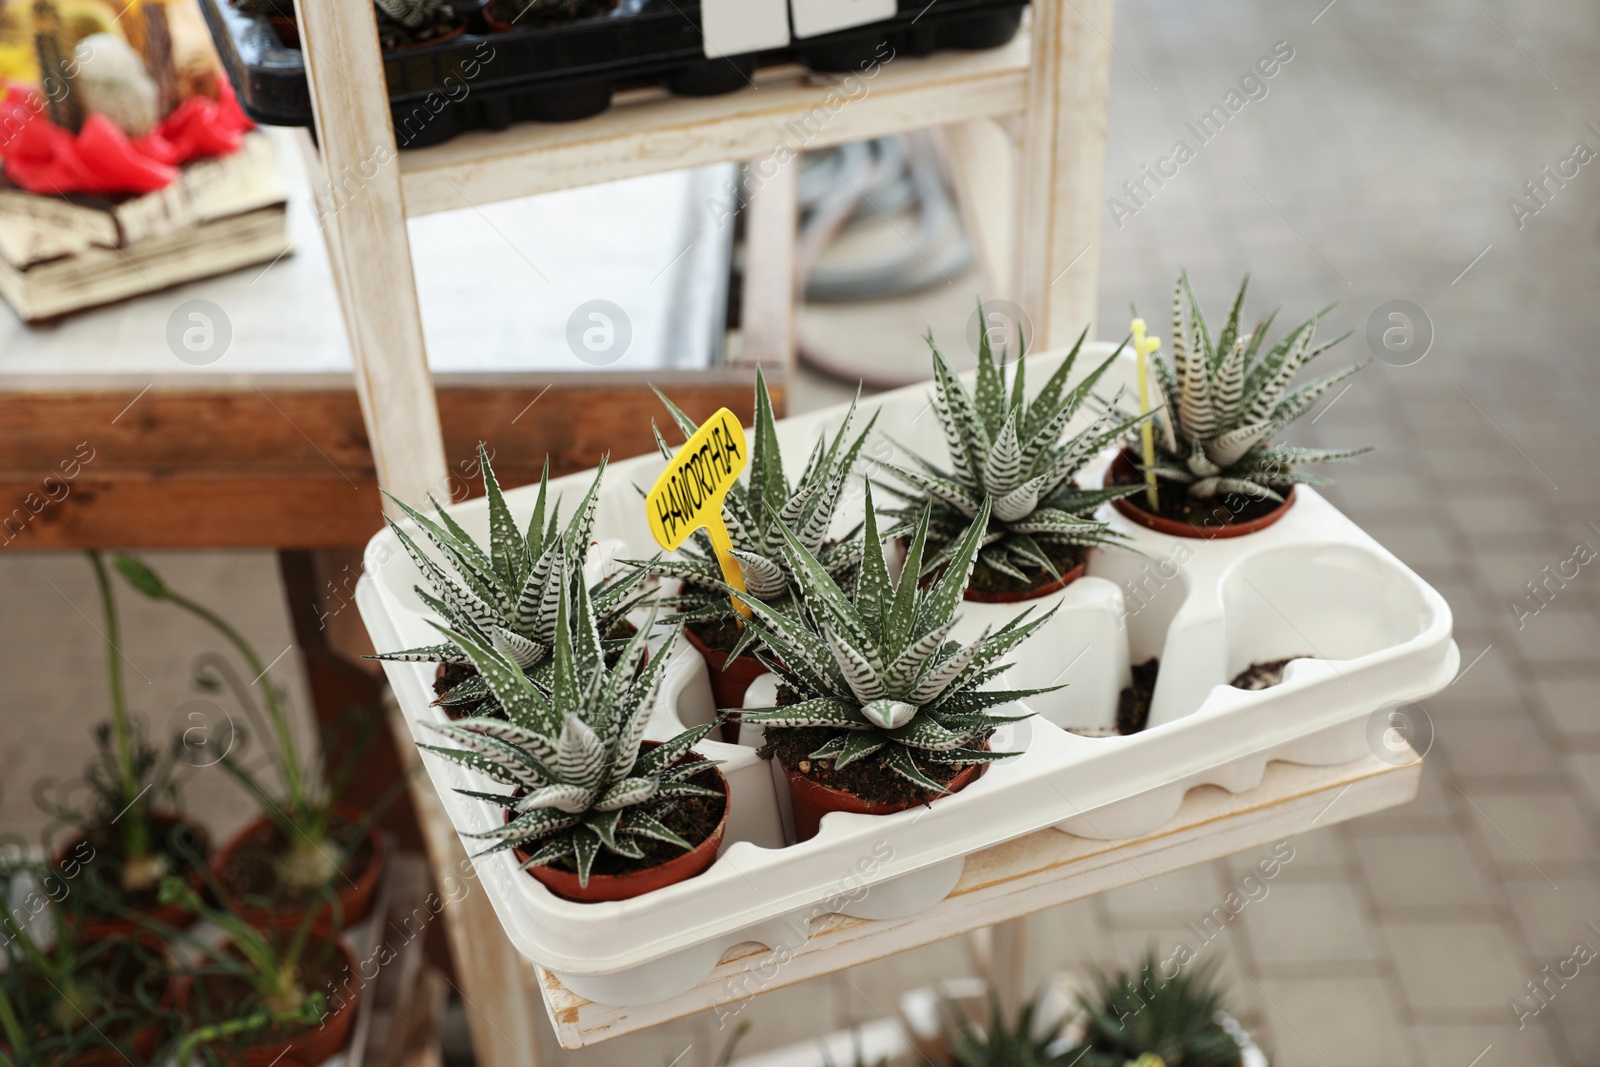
(1015, 452)
(873, 663)
(572, 752)
(1224, 401)
(761, 502)
(506, 596)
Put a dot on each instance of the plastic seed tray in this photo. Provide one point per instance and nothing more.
(1364, 632)
(488, 80)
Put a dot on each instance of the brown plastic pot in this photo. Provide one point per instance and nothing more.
(729, 681)
(97, 928)
(1204, 530)
(312, 1046)
(355, 900)
(810, 801)
(603, 887)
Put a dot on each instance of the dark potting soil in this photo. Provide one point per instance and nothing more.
(252, 871)
(694, 819)
(216, 997)
(722, 633)
(1179, 506)
(183, 846)
(1263, 675)
(985, 579)
(866, 778)
(1133, 706)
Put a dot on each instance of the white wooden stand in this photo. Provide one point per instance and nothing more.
(1048, 88)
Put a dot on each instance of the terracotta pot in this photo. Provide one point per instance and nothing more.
(810, 800)
(729, 681)
(103, 927)
(636, 883)
(354, 900)
(1205, 530)
(981, 597)
(287, 29)
(312, 1046)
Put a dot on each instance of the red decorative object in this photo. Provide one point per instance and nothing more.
(45, 159)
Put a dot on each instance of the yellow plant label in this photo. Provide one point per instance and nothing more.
(689, 493)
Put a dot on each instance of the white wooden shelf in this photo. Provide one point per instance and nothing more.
(1017, 879)
(647, 131)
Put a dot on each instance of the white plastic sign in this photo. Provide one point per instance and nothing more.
(814, 17)
(735, 27)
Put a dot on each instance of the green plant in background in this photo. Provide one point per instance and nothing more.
(876, 668)
(276, 968)
(62, 997)
(1132, 1014)
(999, 1043)
(756, 509)
(1226, 397)
(505, 597)
(129, 774)
(315, 843)
(572, 748)
(1014, 453)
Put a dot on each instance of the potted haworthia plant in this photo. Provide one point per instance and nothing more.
(1014, 452)
(596, 813)
(401, 23)
(260, 998)
(1001, 1043)
(504, 596)
(880, 710)
(66, 998)
(758, 506)
(133, 837)
(1147, 1017)
(1224, 398)
(305, 841)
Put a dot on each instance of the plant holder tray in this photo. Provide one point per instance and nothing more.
(1372, 635)
(488, 80)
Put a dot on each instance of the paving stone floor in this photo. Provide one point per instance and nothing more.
(1377, 167)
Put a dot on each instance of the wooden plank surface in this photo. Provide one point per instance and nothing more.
(291, 467)
(649, 131)
(1016, 879)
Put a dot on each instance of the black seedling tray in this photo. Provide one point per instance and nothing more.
(487, 80)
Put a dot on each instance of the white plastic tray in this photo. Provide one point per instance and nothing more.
(1374, 635)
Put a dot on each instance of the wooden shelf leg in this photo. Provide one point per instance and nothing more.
(769, 295)
(1062, 168)
(497, 986)
(361, 208)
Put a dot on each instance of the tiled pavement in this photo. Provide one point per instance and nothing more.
(1377, 167)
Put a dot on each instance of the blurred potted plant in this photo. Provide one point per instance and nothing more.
(999, 1043)
(305, 842)
(597, 813)
(1014, 453)
(66, 998)
(755, 510)
(1224, 398)
(879, 710)
(401, 23)
(258, 999)
(133, 836)
(505, 597)
(1143, 1016)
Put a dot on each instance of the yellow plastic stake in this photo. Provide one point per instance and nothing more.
(1142, 347)
(689, 493)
